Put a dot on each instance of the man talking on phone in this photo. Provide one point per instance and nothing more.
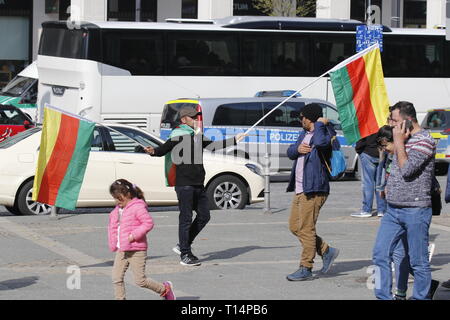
(408, 194)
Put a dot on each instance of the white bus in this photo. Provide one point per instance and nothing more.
(127, 71)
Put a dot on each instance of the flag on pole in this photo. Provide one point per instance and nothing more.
(360, 94)
(63, 156)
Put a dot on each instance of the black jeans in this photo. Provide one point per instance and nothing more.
(191, 198)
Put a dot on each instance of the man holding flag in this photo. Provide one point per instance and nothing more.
(184, 170)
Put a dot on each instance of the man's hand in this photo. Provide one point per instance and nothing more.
(304, 148)
(150, 150)
(400, 132)
(240, 136)
(323, 120)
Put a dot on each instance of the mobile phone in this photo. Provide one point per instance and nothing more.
(408, 125)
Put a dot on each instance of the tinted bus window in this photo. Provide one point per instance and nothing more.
(287, 115)
(238, 114)
(203, 54)
(255, 55)
(290, 57)
(63, 43)
(139, 53)
(412, 56)
(330, 50)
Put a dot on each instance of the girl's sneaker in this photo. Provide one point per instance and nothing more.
(168, 293)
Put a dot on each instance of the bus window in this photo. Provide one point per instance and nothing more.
(198, 54)
(139, 53)
(290, 56)
(238, 114)
(255, 55)
(329, 51)
(413, 56)
(64, 43)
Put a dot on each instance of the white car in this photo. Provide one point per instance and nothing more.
(231, 182)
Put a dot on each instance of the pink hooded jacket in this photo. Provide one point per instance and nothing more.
(136, 220)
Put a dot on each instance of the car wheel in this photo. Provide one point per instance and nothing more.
(227, 192)
(26, 205)
(13, 210)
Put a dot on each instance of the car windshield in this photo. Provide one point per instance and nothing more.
(17, 86)
(437, 120)
(12, 116)
(8, 142)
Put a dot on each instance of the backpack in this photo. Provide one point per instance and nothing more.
(436, 202)
(338, 165)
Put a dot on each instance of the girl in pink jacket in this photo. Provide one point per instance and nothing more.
(129, 223)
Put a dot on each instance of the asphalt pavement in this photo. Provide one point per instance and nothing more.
(246, 254)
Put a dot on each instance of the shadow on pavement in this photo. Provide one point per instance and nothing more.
(340, 268)
(234, 252)
(18, 283)
(110, 263)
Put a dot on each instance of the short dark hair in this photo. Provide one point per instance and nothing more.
(406, 109)
(385, 134)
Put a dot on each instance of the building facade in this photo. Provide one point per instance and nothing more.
(20, 20)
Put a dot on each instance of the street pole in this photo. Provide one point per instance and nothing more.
(54, 212)
(267, 179)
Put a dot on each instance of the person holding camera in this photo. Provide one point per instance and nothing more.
(409, 210)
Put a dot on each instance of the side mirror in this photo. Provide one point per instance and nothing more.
(27, 124)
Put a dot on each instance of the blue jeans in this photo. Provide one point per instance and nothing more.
(369, 166)
(401, 265)
(411, 226)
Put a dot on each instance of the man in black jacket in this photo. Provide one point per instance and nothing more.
(369, 158)
(185, 171)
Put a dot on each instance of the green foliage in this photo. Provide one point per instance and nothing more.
(285, 7)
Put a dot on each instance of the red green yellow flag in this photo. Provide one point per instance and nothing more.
(63, 157)
(360, 94)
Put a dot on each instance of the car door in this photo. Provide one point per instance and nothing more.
(136, 166)
(100, 173)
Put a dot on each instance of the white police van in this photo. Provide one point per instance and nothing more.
(224, 117)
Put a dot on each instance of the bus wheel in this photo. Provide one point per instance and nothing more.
(227, 192)
(26, 205)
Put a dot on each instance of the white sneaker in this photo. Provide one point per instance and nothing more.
(431, 248)
(361, 214)
(380, 214)
(176, 249)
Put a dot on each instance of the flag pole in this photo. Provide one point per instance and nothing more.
(341, 64)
